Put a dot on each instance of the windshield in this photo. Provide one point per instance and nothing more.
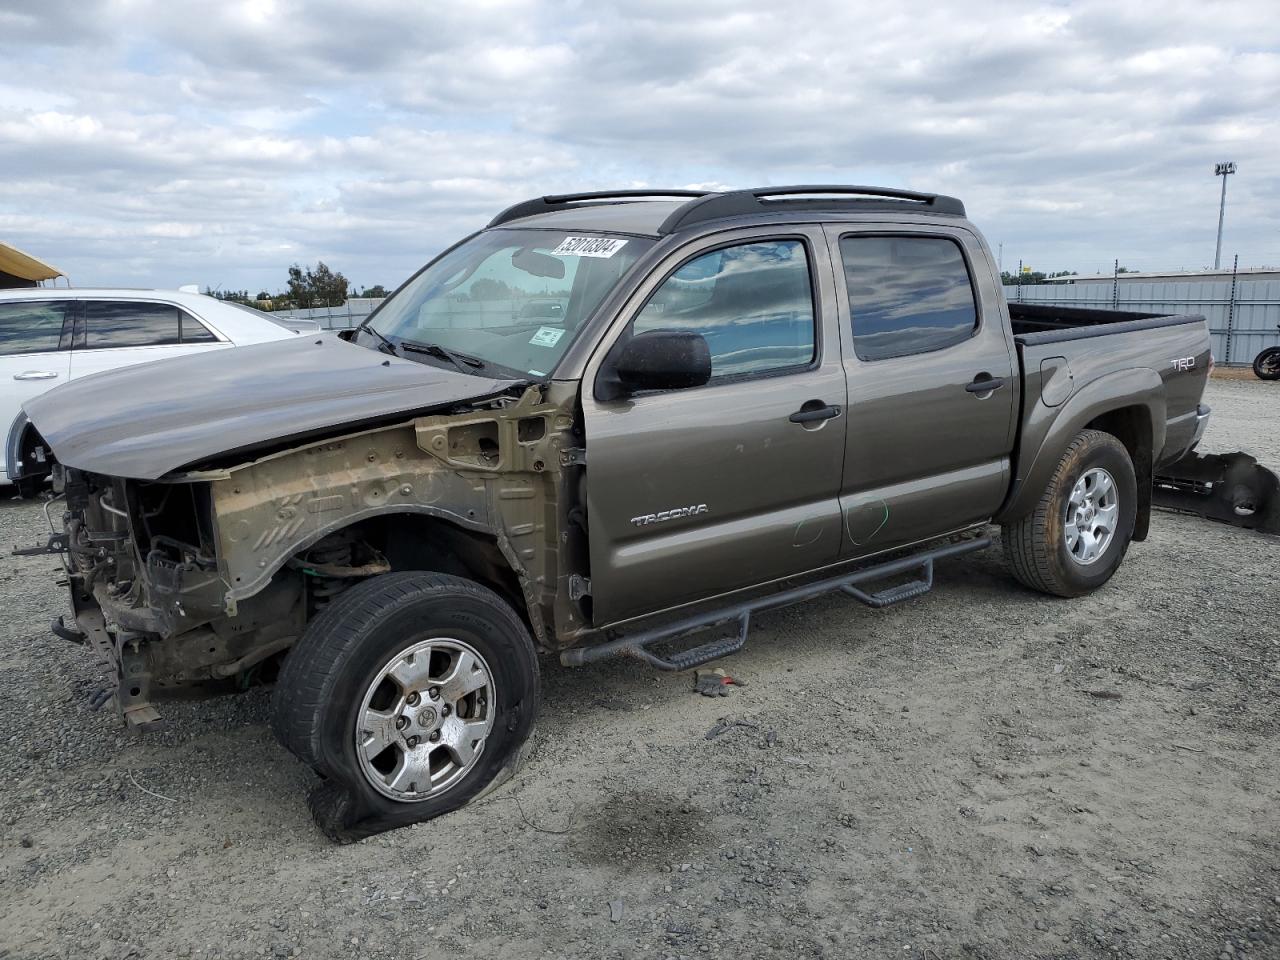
(510, 299)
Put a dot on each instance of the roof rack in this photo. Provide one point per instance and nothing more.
(704, 205)
(549, 204)
(738, 203)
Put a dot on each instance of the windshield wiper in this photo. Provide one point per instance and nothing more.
(460, 360)
(385, 345)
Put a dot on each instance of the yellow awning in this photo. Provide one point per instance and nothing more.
(13, 261)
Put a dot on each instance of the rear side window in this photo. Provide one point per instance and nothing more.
(907, 295)
(139, 324)
(34, 327)
(753, 303)
(193, 331)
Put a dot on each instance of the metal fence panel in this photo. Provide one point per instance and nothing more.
(1244, 316)
(342, 317)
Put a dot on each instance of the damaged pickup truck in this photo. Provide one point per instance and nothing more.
(722, 403)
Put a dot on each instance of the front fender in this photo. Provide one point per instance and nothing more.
(270, 510)
(1046, 431)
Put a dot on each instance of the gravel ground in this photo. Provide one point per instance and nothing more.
(981, 773)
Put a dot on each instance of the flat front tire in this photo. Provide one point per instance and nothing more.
(409, 694)
(1077, 535)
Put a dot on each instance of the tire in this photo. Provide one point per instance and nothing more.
(1266, 365)
(1039, 548)
(374, 652)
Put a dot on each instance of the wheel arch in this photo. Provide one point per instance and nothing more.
(1133, 427)
(1131, 401)
(13, 444)
(416, 541)
(22, 438)
(416, 537)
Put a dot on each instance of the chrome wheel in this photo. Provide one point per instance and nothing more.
(1093, 512)
(424, 720)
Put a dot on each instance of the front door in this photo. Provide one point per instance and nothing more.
(933, 394)
(700, 491)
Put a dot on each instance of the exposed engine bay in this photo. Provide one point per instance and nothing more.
(206, 577)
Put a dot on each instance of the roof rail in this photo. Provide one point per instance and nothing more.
(529, 208)
(737, 203)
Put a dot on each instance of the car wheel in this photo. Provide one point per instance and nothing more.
(410, 694)
(1078, 533)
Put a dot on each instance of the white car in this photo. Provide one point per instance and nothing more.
(49, 336)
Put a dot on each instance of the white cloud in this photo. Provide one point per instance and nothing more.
(152, 142)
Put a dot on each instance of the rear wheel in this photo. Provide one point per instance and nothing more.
(410, 694)
(1266, 365)
(1078, 533)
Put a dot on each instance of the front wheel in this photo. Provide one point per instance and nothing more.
(1078, 533)
(1266, 365)
(410, 694)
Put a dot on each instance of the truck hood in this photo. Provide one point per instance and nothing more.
(147, 420)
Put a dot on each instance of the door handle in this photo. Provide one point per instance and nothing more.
(983, 383)
(36, 375)
(814, 411)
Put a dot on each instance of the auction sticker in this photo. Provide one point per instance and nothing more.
(588, 247)
(546, 337)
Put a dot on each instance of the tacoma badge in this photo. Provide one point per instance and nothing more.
(645, 519)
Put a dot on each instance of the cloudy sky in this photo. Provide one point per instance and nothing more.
(160, 143)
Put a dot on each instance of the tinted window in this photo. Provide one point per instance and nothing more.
(125, 324)
(193, 331)
(753, 303)
(907, 295)
(30, 327)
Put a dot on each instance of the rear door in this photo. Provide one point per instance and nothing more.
(35, 341)
(700, 491)
(118, 333)
(932, 384)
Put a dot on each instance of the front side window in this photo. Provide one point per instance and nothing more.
(505, 301)
(907, 295)
(31, 327)
(110, 323)
(752, 302)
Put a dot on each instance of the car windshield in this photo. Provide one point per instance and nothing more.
(505, 301)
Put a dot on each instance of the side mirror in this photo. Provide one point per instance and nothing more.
(347, 335)
(663, 360)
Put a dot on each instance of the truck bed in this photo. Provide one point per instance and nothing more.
(1035, 324)
(1158, 362)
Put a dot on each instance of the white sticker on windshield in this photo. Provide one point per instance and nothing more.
(588, 247)
(547, 337)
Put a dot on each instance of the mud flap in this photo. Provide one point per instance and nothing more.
(1231, 487)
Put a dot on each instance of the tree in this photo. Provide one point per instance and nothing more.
(317, 287)
(486, 288)
(375, 291)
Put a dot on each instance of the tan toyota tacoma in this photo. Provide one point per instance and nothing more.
(612, 423)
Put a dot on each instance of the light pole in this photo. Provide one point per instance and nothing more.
(1221, 170)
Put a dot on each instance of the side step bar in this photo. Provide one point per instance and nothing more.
(637, 645)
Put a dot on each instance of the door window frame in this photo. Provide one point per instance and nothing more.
(616, 337)
(80, 339)
(960, 238)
